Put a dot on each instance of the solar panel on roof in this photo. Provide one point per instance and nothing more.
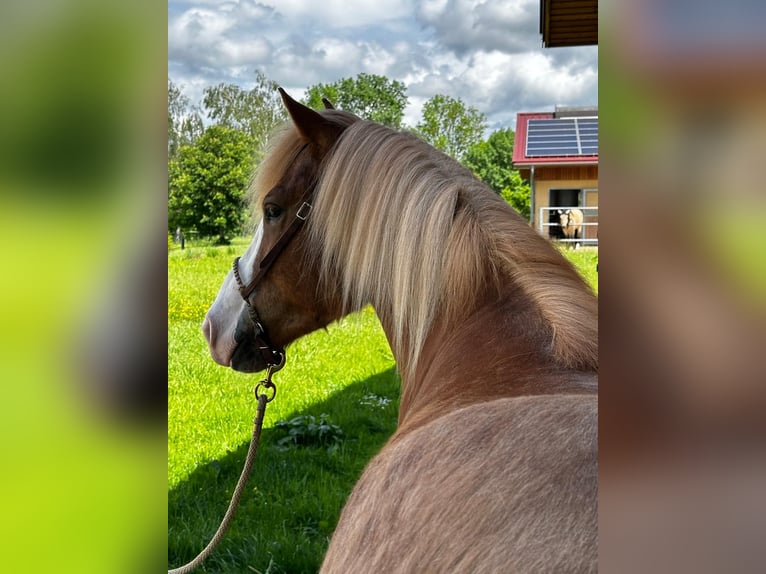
(556, 137)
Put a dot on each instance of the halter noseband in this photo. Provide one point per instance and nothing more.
(273, 356)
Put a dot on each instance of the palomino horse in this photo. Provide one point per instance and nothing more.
(570, 221)
(493, 467)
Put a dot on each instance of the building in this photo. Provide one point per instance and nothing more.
(569, 22)
(558, 154)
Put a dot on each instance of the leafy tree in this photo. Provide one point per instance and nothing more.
(177, 104)
(191, 126)
(255, 112)
(451, 126)
(491, 161)
(207, 182)
(369, 96)
(184, 120)
(517, 193)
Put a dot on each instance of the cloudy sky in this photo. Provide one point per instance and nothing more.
(486, 52)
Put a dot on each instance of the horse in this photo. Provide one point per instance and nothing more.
(570, 221)
(493, 466)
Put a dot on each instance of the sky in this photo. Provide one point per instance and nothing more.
(487, 53)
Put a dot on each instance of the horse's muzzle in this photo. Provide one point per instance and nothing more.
(252, 349)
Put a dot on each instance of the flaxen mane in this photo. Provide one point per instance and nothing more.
(384, 196)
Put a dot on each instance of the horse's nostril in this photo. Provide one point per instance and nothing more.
(207, 329)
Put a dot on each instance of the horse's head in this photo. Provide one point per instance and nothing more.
(272, 298)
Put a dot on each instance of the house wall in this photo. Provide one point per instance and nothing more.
(567, 177)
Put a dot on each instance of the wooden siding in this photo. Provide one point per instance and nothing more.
(569, 22)
(566, 172)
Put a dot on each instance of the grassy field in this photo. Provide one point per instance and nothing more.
(336, 406)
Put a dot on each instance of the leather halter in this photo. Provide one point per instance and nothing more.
(273, 356)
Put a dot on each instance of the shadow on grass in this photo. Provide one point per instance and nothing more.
(295, 493)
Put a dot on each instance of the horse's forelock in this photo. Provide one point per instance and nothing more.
(281, 150)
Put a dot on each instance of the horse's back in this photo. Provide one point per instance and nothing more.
(504, 486)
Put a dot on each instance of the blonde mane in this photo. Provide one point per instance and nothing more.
(399, 224)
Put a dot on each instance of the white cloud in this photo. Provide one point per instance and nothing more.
(466, 26)
(340, 14)
(485, 52)
(203, 37)
(543, 82)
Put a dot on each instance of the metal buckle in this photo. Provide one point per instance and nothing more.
(303, 211)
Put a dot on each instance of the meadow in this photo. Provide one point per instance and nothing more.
(336, 405)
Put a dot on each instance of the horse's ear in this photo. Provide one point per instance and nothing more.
(327, 104)
(311, 125)
(560, 211)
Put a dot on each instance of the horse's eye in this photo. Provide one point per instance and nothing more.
(272, 212)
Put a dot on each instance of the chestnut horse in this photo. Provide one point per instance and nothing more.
(493, 467)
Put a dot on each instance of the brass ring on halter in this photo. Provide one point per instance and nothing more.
(268, 385)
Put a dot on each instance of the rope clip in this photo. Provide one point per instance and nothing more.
(266, 384)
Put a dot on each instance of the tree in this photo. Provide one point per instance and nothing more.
(450, 126)
(517, 193)
(491, 161)
(191, 126)
(184, 120)
(177, 103)
(207, 183)
(255, 112)
(369, 96)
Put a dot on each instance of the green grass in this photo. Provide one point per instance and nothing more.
(585, 260)
(343, 377)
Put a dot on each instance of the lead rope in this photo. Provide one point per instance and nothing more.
(263, 400)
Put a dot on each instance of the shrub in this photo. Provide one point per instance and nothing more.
(306, 430)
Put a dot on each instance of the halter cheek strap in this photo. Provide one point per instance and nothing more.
(274, 252)
(273, 356)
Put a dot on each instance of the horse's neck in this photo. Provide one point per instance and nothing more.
(502, 349)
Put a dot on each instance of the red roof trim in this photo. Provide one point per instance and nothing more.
(520, 145)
